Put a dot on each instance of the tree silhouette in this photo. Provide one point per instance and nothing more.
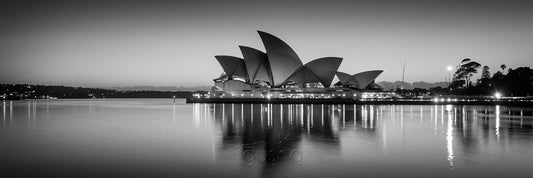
(466, 70)
(485, 73)
(503, 66)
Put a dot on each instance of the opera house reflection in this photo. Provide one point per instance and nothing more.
(291, 133)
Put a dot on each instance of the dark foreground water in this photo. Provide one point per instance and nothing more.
(156, 138)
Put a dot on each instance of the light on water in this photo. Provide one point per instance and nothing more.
(157, 137)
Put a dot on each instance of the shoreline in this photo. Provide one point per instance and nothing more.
(352, 101)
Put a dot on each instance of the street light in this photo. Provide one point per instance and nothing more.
(497, 95)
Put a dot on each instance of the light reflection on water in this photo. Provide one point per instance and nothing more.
(155, 137)
(412, 140)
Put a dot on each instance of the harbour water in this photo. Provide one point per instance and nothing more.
(160, 138)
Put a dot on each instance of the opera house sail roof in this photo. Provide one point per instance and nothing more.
(365, 78)
(257, 64)
(280, 66)
(346, 79)
(283, 60)
(319, 70)
(360, 80)
(233, 66)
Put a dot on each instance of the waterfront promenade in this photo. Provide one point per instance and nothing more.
(434, 101)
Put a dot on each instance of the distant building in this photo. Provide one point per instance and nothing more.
(279, 73)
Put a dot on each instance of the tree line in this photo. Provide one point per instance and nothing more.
(513, 82)
(25, 91)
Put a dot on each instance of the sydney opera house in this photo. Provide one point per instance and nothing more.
(279, 73)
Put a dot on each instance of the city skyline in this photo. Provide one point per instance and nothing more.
(168, 43)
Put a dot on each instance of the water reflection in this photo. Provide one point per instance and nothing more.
(276, 130)
(158, 138)
(262, 134)
(449, 136)
(497, 122)
(4, 113)
(274, 135)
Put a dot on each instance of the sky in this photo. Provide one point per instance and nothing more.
(173, 43)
